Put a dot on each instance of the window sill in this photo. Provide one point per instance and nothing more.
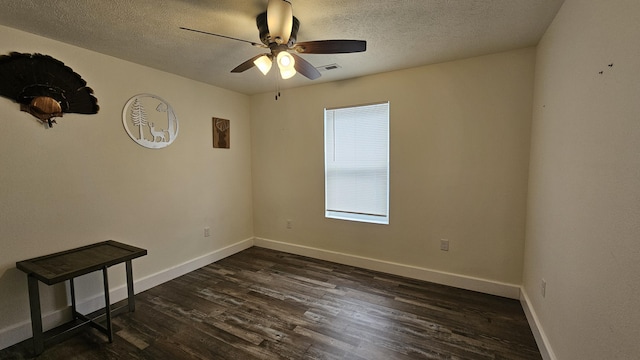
(372, 219)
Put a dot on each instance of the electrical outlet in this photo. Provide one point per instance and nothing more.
(444, 244)
(207, 231)
(543, 288)
(289, 224)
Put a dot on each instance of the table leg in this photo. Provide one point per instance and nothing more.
(130, 294)
(107, 306)
(36, 315)
(72, 290)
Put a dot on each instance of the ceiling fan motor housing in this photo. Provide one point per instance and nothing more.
(265, 36)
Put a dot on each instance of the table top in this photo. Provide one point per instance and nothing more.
(61, 266)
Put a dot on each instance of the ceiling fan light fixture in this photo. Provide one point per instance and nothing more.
(287, 73)
(286, 63)
(279, 20)
(263, 63)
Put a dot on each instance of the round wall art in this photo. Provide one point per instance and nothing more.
(150, 121)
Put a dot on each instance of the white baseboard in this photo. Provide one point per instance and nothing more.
(460, 281)
(120, 293)
(22, 331)
(16, 333)
(538, 333)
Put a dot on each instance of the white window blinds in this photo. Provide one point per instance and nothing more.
(357, 163)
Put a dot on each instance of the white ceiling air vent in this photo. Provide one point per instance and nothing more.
(329, 67)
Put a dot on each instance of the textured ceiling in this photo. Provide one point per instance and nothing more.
(399, 34)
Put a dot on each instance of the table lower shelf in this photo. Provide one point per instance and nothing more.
(80, 322)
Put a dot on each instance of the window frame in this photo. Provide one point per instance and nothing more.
(355, 216)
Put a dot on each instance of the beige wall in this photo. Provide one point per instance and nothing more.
(583, 233)
(85, 181)
(459, 152)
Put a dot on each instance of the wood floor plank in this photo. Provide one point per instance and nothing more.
(265, 304)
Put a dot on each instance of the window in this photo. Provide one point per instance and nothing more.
(356, 150)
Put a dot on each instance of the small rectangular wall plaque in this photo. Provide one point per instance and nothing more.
(221, 134)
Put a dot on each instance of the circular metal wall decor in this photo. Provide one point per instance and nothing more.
(153, 129)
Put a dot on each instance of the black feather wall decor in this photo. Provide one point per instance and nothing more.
(44, 87)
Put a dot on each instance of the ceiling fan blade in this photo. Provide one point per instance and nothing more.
(246, 65)
(305, 68)
(279, 20)
(222, 36)
(331, 46)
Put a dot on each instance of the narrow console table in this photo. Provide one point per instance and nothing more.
(67, 265)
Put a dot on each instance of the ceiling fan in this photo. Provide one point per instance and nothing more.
(278, 32)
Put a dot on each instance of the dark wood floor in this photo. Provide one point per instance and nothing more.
(263, 304)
